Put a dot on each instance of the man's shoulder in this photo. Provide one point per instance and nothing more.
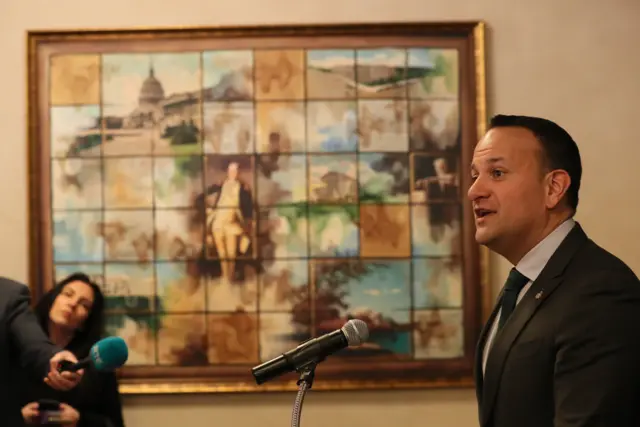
(11, 287)
(11, 291)
(595, 265)
(596, 257)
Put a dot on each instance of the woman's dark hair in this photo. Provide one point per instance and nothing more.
(93, 328)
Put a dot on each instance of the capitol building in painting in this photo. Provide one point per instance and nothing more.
(158, 121)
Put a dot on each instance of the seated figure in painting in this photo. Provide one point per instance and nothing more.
(440, 189)
(229, 210)
(443, 186)
(72, 316)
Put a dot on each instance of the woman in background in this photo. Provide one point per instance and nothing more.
(72, 315)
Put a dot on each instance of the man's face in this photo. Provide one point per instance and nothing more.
(508, 190)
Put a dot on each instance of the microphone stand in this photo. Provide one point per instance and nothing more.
(305, 382)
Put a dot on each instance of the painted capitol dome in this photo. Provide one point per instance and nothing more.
(149, 111)
(158, 112)
(152, 91)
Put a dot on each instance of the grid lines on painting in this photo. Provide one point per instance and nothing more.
(219, 196)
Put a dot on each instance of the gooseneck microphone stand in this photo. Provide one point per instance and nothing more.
(305, 382)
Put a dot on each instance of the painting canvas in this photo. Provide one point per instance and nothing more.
(238, 191)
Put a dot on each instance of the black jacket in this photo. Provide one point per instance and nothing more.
(22, 342)
(569, 355)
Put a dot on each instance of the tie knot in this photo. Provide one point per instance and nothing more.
(515, 281)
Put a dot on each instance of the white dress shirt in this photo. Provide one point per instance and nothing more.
(531, 265)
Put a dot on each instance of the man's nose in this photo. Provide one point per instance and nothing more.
(477, 190)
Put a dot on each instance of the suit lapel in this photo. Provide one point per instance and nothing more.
(480, 347)
(548, 281)
(505, 338)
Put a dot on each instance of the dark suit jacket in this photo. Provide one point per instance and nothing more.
(569, 355)
(22, 342)
(96, 398)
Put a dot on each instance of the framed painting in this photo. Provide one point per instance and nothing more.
(237, 191)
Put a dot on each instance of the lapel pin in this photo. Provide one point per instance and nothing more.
(539, 294)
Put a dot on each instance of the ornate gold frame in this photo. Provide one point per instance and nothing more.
(470, 35)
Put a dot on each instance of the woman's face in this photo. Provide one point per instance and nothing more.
(72, 306)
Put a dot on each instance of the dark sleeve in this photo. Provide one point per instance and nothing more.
(246, 203)
(107, 411)
(597, 369)
(212, 189)
(34, 348)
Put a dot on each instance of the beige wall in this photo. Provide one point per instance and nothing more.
(575, 61)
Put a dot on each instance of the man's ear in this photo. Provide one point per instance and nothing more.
(558, 182)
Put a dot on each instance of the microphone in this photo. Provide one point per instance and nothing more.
(107, 354)
(352, 334)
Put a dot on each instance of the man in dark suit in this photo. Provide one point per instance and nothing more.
(562, 345)
(22, 341)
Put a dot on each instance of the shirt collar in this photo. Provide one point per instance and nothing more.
(533, 262)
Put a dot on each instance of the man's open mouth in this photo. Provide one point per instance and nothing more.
(481, 213)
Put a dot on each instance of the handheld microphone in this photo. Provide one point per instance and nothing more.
(352, 334)
(107, 354)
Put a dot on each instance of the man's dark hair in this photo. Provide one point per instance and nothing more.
(559, 150)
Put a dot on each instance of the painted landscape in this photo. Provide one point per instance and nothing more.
(233, 204)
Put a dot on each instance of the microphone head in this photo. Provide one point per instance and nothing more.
(356, 332)
(109, 353)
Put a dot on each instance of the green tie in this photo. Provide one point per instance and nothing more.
(514, 284)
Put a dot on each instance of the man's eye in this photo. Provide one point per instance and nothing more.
(496, 173)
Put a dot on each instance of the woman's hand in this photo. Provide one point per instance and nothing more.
(63, 380)
(69, 417)
(30, 413)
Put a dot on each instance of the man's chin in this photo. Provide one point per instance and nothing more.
(483, 237)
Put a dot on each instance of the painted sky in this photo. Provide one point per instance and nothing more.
(385, 290)
(220, 62)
